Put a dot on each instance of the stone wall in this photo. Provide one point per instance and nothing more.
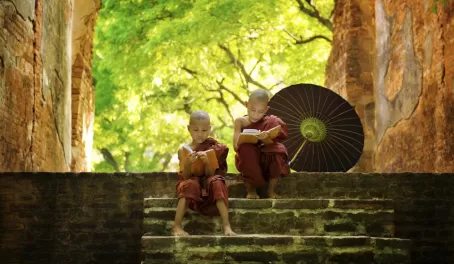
(83, 94)
(98, 218)
(350, 67)
(70, 218)
(414, 88)
(36, 89)
(392, 60)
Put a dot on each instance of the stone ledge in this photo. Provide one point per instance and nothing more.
(298, 203)
(328, 221)
(281, 249)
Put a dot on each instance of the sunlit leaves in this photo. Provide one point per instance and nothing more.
(156, 61)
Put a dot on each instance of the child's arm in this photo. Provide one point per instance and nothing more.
(187, 173)
(237, 131)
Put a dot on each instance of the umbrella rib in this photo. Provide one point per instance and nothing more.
(346, 142)
(303, 108)
(318, 105)
(309, 105)
(292, 118)
(323, 107)
(349, 131)
(332, 111)
(342, 119)
(313, 102)
(347, 151)
(333, 151)
(333, 134)
(295, 109)
(344, 125)
(336, 144)
(322, 146)
(312, 157)
(298, 106)
(341, 113)
(328, 109)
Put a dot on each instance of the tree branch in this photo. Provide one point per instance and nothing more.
(300, 40)
(240, 66)
(304, 41)
(127, 163)
(167, 159)
(314, 13)
(109, 158)
(221, 98)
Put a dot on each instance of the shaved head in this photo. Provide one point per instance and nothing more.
(259, 96)
(198, 116)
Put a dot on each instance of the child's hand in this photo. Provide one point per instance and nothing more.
(191, 158)
(203, 156)
(264, 136)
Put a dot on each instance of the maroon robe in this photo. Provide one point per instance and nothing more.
(200, 192)
(258, 163)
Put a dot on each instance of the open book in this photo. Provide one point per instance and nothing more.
(198, 167)
(252, 136)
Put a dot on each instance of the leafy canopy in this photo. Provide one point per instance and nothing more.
(156, 61)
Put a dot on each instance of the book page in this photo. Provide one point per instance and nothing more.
(198, 167)
(251, 136)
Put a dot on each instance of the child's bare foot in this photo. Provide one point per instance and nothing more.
(273, 195)
(178, 231)
(252, 195)
(228, 231)
(251, 192)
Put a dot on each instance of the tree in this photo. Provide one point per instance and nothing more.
(156, 61)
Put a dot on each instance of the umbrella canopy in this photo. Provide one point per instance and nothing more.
(325, 132)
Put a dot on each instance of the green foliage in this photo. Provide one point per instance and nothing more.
(155, 61)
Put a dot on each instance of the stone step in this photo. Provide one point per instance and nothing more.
(296, 185)
(274, 249)
(281, 216)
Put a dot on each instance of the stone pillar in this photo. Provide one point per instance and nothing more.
(350, 69)
(414, 93)
(84, 19)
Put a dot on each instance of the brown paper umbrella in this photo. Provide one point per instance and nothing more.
(325, 132)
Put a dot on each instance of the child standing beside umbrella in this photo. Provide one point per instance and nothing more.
(266, 160)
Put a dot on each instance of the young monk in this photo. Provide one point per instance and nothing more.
(204, 192)
(260, 163)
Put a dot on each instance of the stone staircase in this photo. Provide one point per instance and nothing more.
(290, 230)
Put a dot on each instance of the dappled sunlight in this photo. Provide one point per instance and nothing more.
(155, 63)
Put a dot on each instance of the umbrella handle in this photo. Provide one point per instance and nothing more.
(298, 152)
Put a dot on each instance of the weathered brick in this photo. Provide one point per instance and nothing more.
(350, 241)
(253, 256)
(340, 227)
(301, 257)
(353, 257)
(301, 204)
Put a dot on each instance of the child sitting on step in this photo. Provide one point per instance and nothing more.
(202, 188)
(260, 163)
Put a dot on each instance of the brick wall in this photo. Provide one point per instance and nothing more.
(40, 85)
(70, 218)
(98, 218)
